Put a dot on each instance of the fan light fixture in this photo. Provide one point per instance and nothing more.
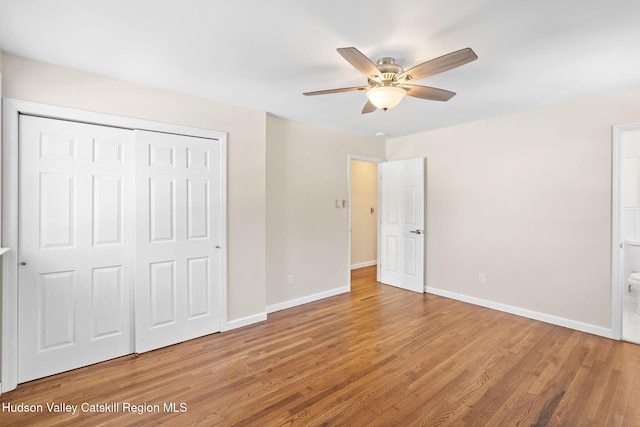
(385, 97)
(387, 82)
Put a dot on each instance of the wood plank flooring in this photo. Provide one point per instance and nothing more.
(378, 356)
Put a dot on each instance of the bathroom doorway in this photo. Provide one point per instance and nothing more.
(626, 232)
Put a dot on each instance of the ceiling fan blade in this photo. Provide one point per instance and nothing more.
(439, 65)
(369, 108)
(426, 92)
(359, 61)
(344, 89)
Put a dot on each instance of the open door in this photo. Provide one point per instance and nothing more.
(402, 237)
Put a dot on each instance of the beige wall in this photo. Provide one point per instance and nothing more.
(525, 199)
(44, 83)
(364, 225)
(306, 234)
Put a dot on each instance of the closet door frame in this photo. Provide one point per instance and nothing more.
(11, 110)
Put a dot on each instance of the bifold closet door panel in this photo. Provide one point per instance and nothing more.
(76, 240)
(178, 231)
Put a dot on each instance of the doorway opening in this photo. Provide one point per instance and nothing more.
(400, 240)
(363, 207)
(625, 233)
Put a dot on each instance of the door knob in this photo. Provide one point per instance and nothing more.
(23, 263)
(416, 231)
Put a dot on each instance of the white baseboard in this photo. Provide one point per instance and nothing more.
(244, 321)
(530, 314)
(307, 299)
(364, 264)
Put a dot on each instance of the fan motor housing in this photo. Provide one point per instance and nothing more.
(388, 66)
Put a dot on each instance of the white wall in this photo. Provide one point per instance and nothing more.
(306, 234)
(631, 188)
(631, 182)
(631, 170)
(364, 223)
(525, 199)
(44, 83)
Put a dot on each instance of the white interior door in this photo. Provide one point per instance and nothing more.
(402, 235)
(178, 254)
(75, 245)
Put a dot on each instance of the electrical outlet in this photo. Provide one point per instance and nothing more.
(290, 280)
(481, 278)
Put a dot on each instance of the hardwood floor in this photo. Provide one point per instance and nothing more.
(378, 356)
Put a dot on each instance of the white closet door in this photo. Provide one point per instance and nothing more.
(177, 238)
(75, 247)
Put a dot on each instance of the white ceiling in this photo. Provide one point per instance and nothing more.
(264, 54)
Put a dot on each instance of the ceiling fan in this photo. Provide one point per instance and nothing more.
(388, 81)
